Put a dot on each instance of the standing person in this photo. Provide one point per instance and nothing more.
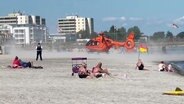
(164, 49)
(39, 51)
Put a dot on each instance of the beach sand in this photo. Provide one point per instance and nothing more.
(54, 84)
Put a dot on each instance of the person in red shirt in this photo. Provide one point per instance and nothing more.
(16, 63)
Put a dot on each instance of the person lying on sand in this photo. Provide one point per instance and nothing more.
(18, 63)
(98, 71)
(25, 64)
(83, 72)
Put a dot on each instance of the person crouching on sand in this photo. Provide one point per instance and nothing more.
(162, 66)
(170, 68)
(140, 65)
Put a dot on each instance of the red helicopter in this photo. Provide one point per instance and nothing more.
(103, 44)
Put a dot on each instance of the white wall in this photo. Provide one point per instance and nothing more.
(23, 19)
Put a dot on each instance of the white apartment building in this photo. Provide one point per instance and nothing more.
(10, 19)
(29, 34)
(25, 29)
(19, 18)
(74, 24)
(5, 33)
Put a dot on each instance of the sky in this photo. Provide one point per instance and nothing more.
(149, 15)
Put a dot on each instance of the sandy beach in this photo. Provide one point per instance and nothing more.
(54, 84)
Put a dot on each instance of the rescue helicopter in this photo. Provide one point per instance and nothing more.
(102, 43)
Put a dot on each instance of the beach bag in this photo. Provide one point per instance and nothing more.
(75, 69)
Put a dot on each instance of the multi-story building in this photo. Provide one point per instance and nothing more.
(19, 18)
(10, 19)
(28, 34)
(25, 29)
(74, 24)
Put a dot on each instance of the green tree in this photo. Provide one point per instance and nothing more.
(121, 34)
(180, 35)
(118, 34)
(169, 35)
(112, 29)
(93, 35)
(158, 36)
(136, 31)
(82, 34)
(112, 32)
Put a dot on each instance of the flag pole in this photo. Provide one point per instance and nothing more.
(139, 51)
(138, 55)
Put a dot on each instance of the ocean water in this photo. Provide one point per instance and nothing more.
(169, 49)
(178, 51)
(175, 50)
(178, 66)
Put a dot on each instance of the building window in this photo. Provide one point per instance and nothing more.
(31, 31)
(21, 31)
(16, 31)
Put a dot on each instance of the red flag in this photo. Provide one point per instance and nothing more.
(143, 48)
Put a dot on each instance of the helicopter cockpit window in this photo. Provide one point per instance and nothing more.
(89, 43)
(95, 43)
(92, 43)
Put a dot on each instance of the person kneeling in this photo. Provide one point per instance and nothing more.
(140, 65)
(162, 66)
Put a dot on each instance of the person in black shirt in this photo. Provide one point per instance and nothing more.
(39, 51)
(140, 65)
